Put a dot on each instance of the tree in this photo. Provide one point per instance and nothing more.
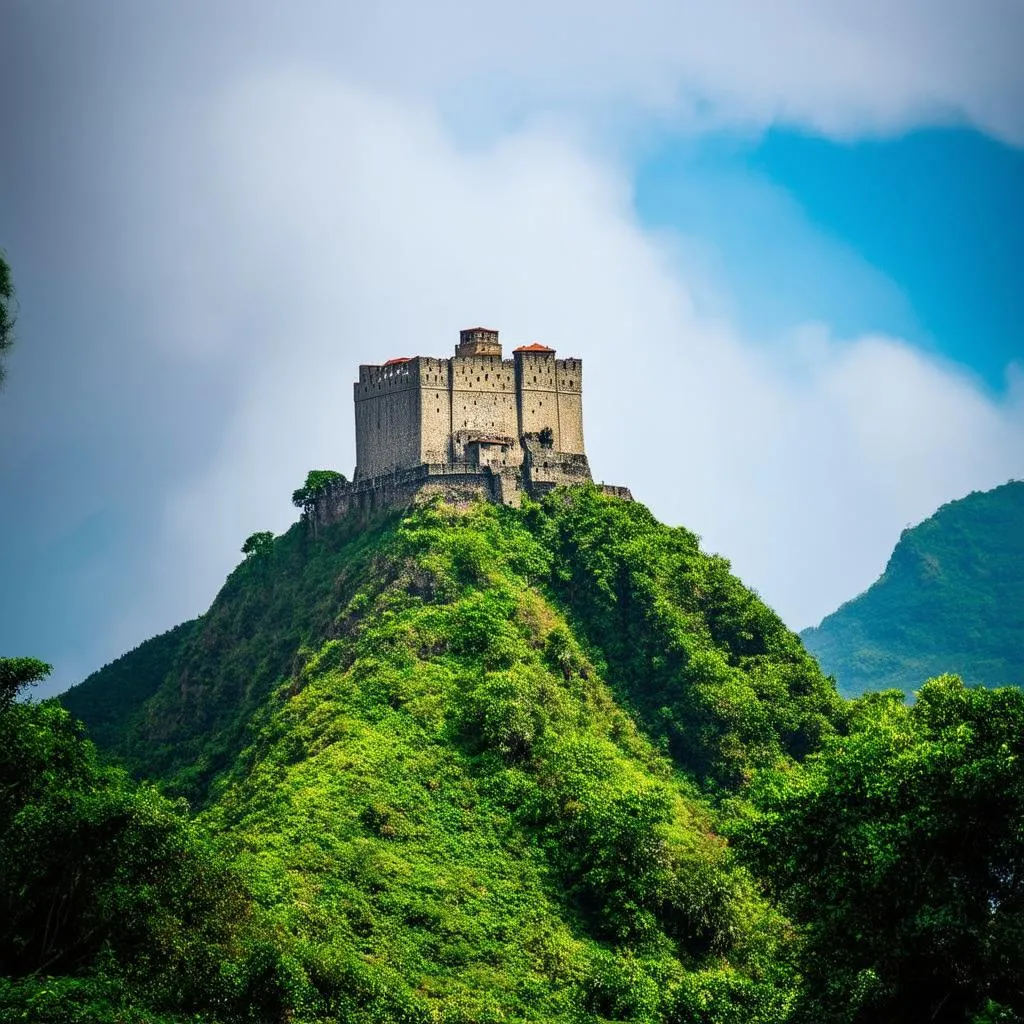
(318, 483)
(258, 545)
(16, 674)
(114, 902)
(899, 850)
(6, 313)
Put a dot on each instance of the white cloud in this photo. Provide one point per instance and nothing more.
(842, 67)
(342, 227)
(191, 231)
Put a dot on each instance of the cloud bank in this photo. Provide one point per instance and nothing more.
(357, 230)
(216, 213)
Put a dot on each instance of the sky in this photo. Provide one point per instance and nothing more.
(787, 241)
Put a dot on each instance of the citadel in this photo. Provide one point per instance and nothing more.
(471, 425)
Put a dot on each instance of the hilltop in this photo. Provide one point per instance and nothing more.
(951, 599)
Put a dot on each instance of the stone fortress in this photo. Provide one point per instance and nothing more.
(473, 424)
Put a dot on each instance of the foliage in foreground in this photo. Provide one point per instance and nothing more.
(901, 849)
(7, 314)
(111, 894)
(549, 765)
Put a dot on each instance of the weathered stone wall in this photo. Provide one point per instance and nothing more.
(536, 394)
(569, 385)
(483, 399)
(499, 454)
(388, 413)
(435, 427)
(544, 468)
(615, 491)
(369, 495)
(456, 484)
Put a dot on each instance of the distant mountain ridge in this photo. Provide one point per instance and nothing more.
(951, 599)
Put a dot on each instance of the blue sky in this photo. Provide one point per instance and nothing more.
(785, 239)
(935, 218)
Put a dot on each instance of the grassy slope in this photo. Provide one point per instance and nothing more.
(951, 600)
(184, 717)
(479, 748)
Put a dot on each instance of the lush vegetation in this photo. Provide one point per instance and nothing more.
(900, 848)
(7, 314)
(116, 907)
(950, 600)
(480, 764)
(182, 716)
(118, 693)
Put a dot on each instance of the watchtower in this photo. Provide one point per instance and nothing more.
(478, 341)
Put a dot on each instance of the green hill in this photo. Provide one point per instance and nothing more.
(951, 599)
(459, 753)
(490, 765)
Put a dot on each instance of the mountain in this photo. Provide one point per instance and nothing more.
(482, 764)
(951, 599)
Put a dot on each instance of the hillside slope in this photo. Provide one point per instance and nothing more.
(951, 599)
(480, 764)
(111, 697)
(459, 759)
(702, 663)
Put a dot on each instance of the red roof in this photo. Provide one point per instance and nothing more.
(533, 348)
(400, 359)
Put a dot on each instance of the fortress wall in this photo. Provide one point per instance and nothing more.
(436, 410)
(442, 419)
(536, 385)
(544, 468)
(505, 457)
(482, 399)
(372, 495)
(388, 415)
(554, 472)
(569, 380)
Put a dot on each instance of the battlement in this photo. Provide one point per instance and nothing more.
(513, 425)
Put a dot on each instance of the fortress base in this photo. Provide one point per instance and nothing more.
(454, 483)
